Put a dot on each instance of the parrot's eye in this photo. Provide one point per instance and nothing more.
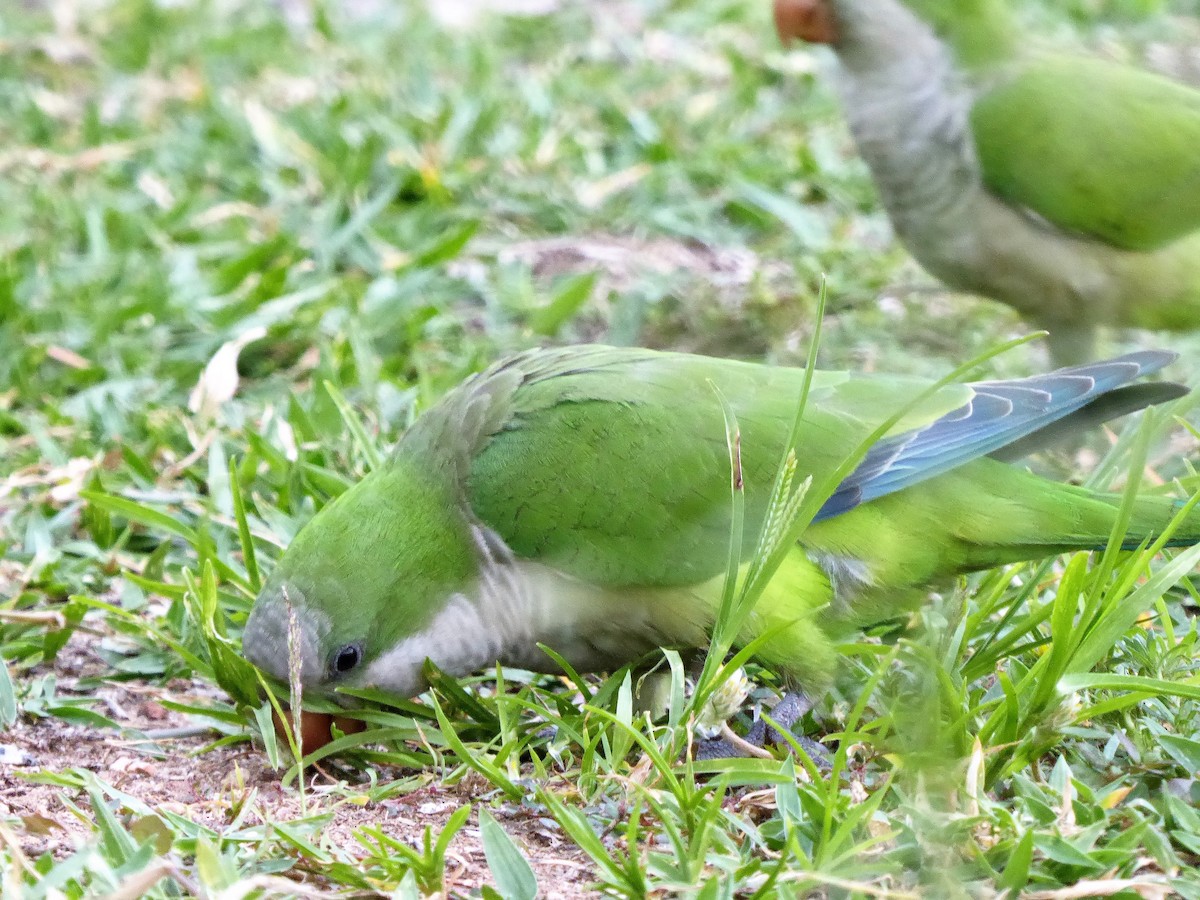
(346, 659)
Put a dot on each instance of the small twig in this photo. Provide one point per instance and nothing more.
(744, 745)
(202, 443)
(1105, 887)
(172, 734)
(8, 839)
(846, 884)
(53, 618)
(138, 884)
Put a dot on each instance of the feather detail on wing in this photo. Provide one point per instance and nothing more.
(1002, 417)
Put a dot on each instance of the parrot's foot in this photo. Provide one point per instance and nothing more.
(786, 714)
(726, 747)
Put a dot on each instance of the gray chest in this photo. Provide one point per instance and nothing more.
(518, 605)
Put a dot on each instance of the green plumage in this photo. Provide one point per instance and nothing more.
(1067, 187)
(1095, 148)
(581, 498)
(619, 473)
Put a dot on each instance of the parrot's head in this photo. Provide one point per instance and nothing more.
(978, 31)
(367, 573)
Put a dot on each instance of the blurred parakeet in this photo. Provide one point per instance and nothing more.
(580, 498)
(1067, 187)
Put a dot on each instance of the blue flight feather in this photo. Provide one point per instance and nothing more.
(1001, 413)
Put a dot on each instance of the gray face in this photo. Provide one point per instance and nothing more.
(265, 639)
(328, 660)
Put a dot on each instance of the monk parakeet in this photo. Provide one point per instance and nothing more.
(580, 498)
(1067, 187)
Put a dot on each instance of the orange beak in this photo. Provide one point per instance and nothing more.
(806, 20)
(315, 728)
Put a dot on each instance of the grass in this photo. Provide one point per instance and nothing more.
(385, 205)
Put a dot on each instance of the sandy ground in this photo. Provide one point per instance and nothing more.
(171, 774)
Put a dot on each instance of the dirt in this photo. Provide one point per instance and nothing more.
(177, 774)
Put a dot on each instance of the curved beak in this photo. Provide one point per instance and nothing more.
(806, 20)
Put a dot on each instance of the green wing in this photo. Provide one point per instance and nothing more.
(614, 465)
(1095, 148)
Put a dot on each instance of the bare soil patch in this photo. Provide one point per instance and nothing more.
(177, 774)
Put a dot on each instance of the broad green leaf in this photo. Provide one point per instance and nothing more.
(514, 877)
(8, 697)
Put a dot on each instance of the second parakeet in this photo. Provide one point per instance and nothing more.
(1065, 186)
(580, 498)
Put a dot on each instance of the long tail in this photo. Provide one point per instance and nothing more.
(1007, 420)
(884, 554)
(1040, 518)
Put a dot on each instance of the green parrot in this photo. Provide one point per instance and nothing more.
(580, 498)
(1067, 187)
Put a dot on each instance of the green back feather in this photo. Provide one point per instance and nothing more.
(1096, 148)
(615, 468)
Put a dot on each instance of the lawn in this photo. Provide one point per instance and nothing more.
(243, 244)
